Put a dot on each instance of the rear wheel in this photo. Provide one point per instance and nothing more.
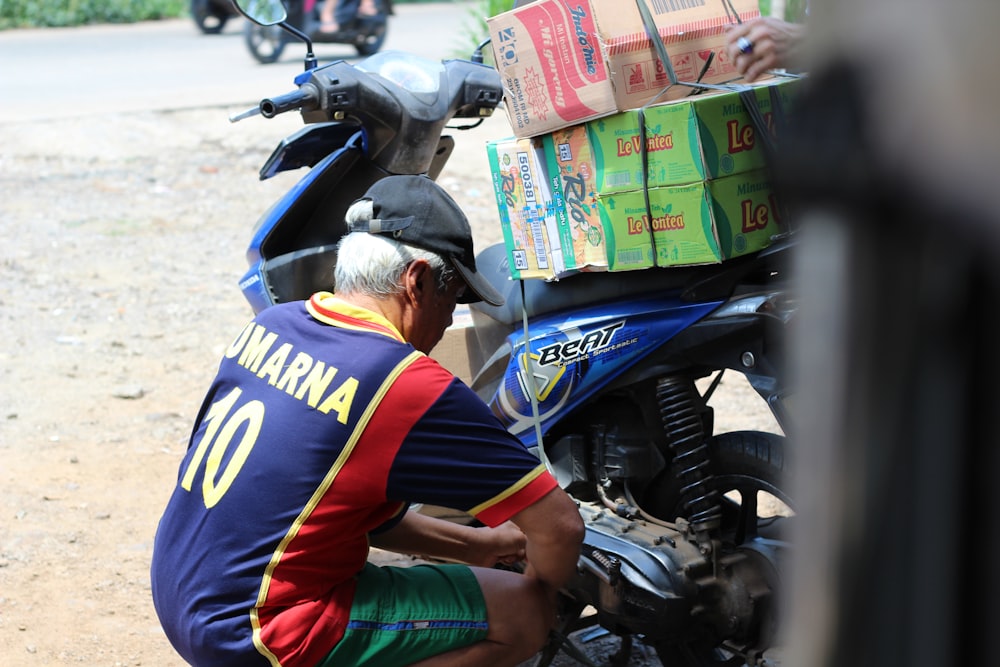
(266, 43)
(208, 16)
(748, 472)
(372, 42)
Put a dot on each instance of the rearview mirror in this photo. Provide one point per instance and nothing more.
(264, 12)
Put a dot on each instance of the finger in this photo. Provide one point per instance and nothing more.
(743, 62)
(760, 66)
(733, 35)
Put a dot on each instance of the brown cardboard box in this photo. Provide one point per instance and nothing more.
(567, 61)
(453, 350)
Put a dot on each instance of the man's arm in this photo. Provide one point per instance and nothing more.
(421, 535)
(547, 534)
(554, 531)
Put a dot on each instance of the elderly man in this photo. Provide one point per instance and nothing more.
(326, 419)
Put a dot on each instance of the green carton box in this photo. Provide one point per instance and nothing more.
(527, 209)
(704, 137)
(626, 226)
(695, 223)
(746, 211)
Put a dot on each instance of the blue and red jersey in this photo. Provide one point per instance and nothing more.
(320, 428)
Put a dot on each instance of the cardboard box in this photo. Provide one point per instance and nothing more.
(746, 211)
(570, 166)
(526, 207)
(626, 227)
(727, 136)
(695, 223)
(452, 351)
(690, 140)
(711, 221)
(567, 61)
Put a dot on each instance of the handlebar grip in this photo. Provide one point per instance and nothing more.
(306, 97)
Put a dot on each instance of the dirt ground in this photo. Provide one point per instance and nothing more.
(123, 242)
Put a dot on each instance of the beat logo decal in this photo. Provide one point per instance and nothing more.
(552, 372)
(578, 347)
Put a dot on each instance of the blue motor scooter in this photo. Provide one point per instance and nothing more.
(607, 376)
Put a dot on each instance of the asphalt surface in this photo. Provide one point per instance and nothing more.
(164, 65)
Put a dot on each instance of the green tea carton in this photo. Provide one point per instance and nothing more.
(527, 209)
(727, 135)
(628, 237)
(711, 221)
(671, 146)
(746, 211)
(570, 168)
(686, 141)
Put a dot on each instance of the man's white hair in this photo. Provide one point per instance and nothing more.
(373, 264)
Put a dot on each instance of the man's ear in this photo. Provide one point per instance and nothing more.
(419, 280)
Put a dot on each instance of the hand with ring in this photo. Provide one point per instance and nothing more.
(763, 44)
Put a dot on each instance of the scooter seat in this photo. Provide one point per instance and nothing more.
(544, 297)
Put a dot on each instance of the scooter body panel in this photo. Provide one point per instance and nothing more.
(282, 267)
(574, 355)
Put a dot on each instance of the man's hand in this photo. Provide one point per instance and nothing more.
(504, 544)
(434, 538)
(763, 44)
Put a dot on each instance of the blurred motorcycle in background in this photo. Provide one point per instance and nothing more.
(211, 16)
(365, 32)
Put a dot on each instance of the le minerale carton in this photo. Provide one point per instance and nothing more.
(704, 137)
(746, 211)
(697, 223)
(570, 167)
(567, 61)
(629, 238)
(526, 208)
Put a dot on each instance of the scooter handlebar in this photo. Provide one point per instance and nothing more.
(305, 98)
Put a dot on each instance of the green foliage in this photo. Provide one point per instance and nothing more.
(60, 13)
(475, 27)
(795, 10)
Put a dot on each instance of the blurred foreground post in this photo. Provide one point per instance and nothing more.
(891, 167)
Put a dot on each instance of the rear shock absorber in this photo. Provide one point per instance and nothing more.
(679, 403)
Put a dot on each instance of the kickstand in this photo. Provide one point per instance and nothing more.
(624, 654)
(559, 640)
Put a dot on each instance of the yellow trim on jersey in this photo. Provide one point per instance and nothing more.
(511, 490)
(331, 302)
(317, 496)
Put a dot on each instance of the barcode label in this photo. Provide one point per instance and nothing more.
(633, 256)
(536, 237)
(667, 6)
(617, 178)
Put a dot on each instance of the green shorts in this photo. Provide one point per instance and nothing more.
(401, 615)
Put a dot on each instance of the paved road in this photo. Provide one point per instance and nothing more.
(58, 73)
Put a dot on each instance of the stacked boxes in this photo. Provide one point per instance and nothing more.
(703, 137)
(704, 181)
(632, 187)
(527, 210)
(568, 61)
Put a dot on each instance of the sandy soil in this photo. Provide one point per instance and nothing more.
(123, 246)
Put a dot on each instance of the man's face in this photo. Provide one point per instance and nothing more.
(435, 312)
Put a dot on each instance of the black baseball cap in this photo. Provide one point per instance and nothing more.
(416, 211)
